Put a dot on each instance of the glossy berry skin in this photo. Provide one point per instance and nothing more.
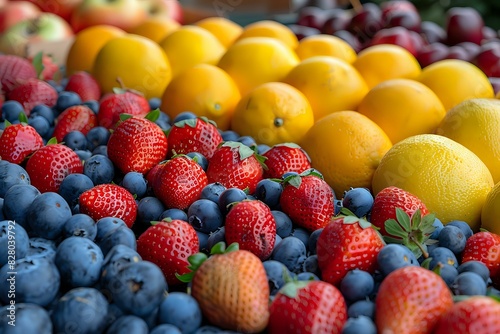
(290, 251)
(75, 118)
(109, 200)
(269, 192)
(30, 318)
(358, 200)
(84, 85)
(276, 273)
(113, 105)
(18, 141)
(205, 216)
(252, 226)
(395, 256)
(33, 92)
(357, 285)
(136, 145)
(411, 297)
(469, 284)
(452, 238)
(484, 247)
(66, 100)
(475, 267)
(283, 158)
(14, 69)
(212, 192)
(360, 324)
(228, 197)
(100, 169)
(168, 244)
(310, 307)
(80, 225)
(22, 240)
(181, 310)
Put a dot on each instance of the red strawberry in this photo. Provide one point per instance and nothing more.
(283, 158)
(252, 225)
(33, 92)
(308, 200)
(109, 200)
(13, 71)
(193, 135)
(484, 247)
(390, 198)
(411, 300)
(235, 165)
(168, 244)
(137, 144)
(477, 314)
(76, 118)
(49, 165)
(47, 67)
(85, 85)
(18, 141)
(347, 242)
(307, 307)
(179, 182)
(114, 104)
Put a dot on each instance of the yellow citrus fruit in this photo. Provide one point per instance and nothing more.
(86, 45)
(325, 45)
(403, 108)
(382, 62)
(346, 147)
(273, 113)
(191, 45)
(490, 214)
(268, 28)
(449, 178)
(156, 28)
(257, 60)
(137, 61)
(475, 123)
(330, 84)
(455, 80)
(224, 29)
(205, 90)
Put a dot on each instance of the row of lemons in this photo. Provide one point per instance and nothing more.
(372, 119)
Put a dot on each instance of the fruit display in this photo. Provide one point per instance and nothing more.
(338, 174)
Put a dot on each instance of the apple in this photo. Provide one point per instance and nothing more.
(14, 11)
(63, 8)
(464, 24)
(397, 36)
(488, 59)
(164, 8)
(45, 27)
(124, 14)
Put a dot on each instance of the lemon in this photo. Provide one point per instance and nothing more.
(490, 214)
(325, 45)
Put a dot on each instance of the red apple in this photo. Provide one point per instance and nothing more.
(164, 8)
(14, 11)
(464, 24)
(398, 36)
(63, 8)
(488, 59)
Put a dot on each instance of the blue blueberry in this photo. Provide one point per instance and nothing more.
(338, 206)
(174, 214)
(114, 312)
(288, 174)
(395, 256)
(11, 174)
(463, 226)
(183, 116)
(200, 159)
(73, 185)
(155, 103)
(361, 307)
(180, 310)
(47, 215)
(27, 318)
(17, 200)
(291, 251)
(100, 169)
(229, 197)
(205, 216)
(311, 265)
(203, 242)
(80, 310)
(122, 235)
(165, 329)
(212, 191)
(443, 255)
(97, 136)
(277, 274)
(307, 276)
(14, 242)
(277, 240)
(40, 124)
(2, 216)
(93, 105)
(302, 234)
(117, 258)
(135, 183)
(269, 192)
(247, 140)
(358, 325)
(448, 273)
(438, 225)
(80, 225)
(284, 224)
(149, 209)
(56, 85)
(128, 324)
(67, 99)
(11, 110)
(101, 149)
(313, 240)
(452, 238)
(262, 148)
(358, 200)
(229, 135)
(44, 111)
(357, 285)
(216, 237)
(163, 121)
(40, 247)
(475, 267)
(84, 155)
(469, 283)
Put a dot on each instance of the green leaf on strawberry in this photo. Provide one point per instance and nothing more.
(153, 115)
(23, 118)
(52, 141)
(38, 64)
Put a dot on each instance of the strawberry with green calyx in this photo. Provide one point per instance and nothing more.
(18, 141)
(286, 157)
(484, 246)
(308, 200)
(45, 67)
(231, 288)
(412, 232)
(75, 118)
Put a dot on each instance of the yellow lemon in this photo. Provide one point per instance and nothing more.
(490, 214)
(224, 29)
(325, 45)
(273, 29)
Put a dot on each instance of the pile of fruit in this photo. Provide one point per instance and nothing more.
(214, 178)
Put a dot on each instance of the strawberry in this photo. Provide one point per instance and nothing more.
(179, 182)
(33, 92)
(193, 135)
(50, 164)
(484, 247)
(45, 66)
(137, 144)
(411, 300)
(168, 244)
(308, 200)
(231, 288)
(347, 242)
(283, 158)
(235, 165)
(85, 85)
(76, 118)
(251, 224)
(13, 71)
(390, 198)
(307, 307)
(476, 314)
(18, 141)
(123, 102)
(108, 200)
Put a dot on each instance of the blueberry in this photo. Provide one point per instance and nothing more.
(361, 308)
(357, 285)
(230, 196)
(181, 310)
(154, 103)
(307, 276)
(84, 155)
(269, 192)
(28, 271)
(277, 240)
(135, 183)
(40, 124)
(107, 226)
(302, 234)
(67, 314)
(149, 209)
(183, 116)
(229, 135)
(200, 159)
(247, 141)
(262, 148)
(475, 267)
(448, 273)
(29, 318)
(216, 237)
(361, 324)
(117, 258)
(205, 216)
(100, 169)
(338, 206)
(394, 256)
(443, 255)
(469, 283)
(165, 329)
(284, 225)
(174, 214)
(80, 225)
(128, 324)
(67, 99)
(463, 226)
(97, 136)
(138, 288)
(291, 251)
(40, 247)
(75, 140)
(203, 242)
(44, 111)
(101, 149)
(73, 185)
(288, 174)
(452, 238)
(93, 105)
(311, 265)
(212, 191)
(358, 200)
(122, 235)
(47, 215)
(11, 110)
(14, 241)
(17, 200)
(276, 273)
(11, 174)
(313, 240)
(438, 225)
